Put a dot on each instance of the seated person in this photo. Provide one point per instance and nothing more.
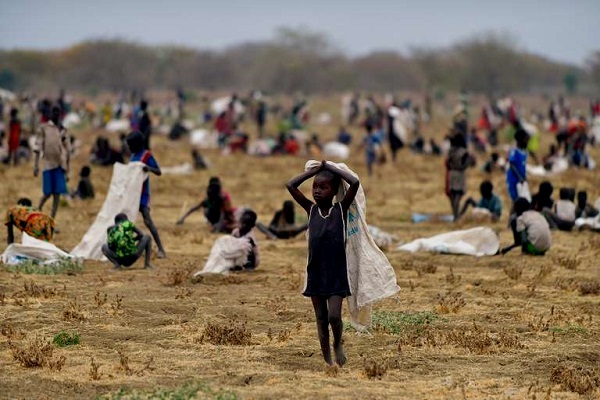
(489, 205)
(551, 157)
(562, 215)
(26, 219)
(530, 230)
(126, 243)
(495, 163)
(344, 136)
(85, 189)
(217, 208)
(283, 225)
(246, 230)
(543, 198)
(584, 209)
(103, 154)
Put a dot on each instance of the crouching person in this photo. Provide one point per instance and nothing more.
(530, 230)
(126, 243)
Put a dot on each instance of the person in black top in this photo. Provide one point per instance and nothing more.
(145, 124)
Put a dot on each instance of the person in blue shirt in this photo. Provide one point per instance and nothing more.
(517, 162)
(373, 147)
(489, 201)
(136, 143)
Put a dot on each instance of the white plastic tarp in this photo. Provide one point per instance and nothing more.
(33, 249)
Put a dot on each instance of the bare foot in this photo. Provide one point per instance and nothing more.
(340, 356)
(148, 266)
(161, 254)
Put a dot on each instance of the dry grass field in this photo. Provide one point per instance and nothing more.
(461, 327)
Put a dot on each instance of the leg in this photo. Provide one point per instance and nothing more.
(150, 224)
(468, 202)
(112, 257)
(43, 201)
(320, 306)
(334, 304)
(455, 203)
(264, 229)
(145, 245)
(55, 201)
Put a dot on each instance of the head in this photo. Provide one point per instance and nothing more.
(521, 205)
(247, 221)
(325, 187)
(458, 140)
(135, 141)
(55, 115)
(121, 217)
(546, 189)
(288, 211)
(495, 157)
(567, 194)
(85, 172)
(14, 112)
(213, 191)
(25, 202)
(214, 180)
(143, 105)
(522, 138)
(486, 189)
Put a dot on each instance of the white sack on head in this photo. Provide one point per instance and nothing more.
(226, 253)
(481, 241)
(33, 249)
(123, 196)
(370, 274)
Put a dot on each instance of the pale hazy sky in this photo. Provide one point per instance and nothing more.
(559, 29)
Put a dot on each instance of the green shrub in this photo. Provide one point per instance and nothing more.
(62, 339)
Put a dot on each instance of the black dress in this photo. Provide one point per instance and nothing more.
(326, 270)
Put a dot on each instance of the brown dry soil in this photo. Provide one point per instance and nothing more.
(499, 327)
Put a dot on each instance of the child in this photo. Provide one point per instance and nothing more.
(543, 198)
(247, 224)
(199, 162)
(145, 124)
(490, 204)
(517, 162)
(34, 223)
(530, 230)
(126, 243)
(457, 162)
(53, 144)
(562, 216)
(14, 136)
(327, 276)
(283, 225)
(493, 164)
(85, 189)
(373, 147)
(136, 142)
(217, 208)
(584, 210)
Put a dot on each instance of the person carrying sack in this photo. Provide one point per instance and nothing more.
(516, 174)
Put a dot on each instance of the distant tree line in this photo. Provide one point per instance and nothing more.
(296, 60)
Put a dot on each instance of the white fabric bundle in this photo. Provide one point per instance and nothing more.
(370, 274)
(336, 150)
(226, 253)
(123, 196)
(481, 241)
(33, 249)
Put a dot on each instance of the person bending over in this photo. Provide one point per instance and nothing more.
(126, 243)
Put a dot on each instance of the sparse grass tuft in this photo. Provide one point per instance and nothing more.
(565, 330)
(578, 379)
(95, 373)
(177, 276)
(231, 333)
(374, 369)
(73, 311)
(450, 303)
(567, 262)
(36, 353)
(69, 266)
(589, 287)
(514, 272)
(63, 339)
(186, 392)
(396, 322)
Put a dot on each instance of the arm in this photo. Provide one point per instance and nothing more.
(294, 183)
(515, 226)
(138, 232)
(190, 211)
(350, 179)
(36, 151)
(152, 166)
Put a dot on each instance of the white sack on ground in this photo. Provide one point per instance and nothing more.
(181, 169)
(204, 139)
(71, 119)
(226, 253)
(221, 104)
(560, 165)
(123, 196)
(370, 274)
(381, 238)
(33, 249)
(481, 241)
(589, 223)
(117, 125)
(336, 150)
